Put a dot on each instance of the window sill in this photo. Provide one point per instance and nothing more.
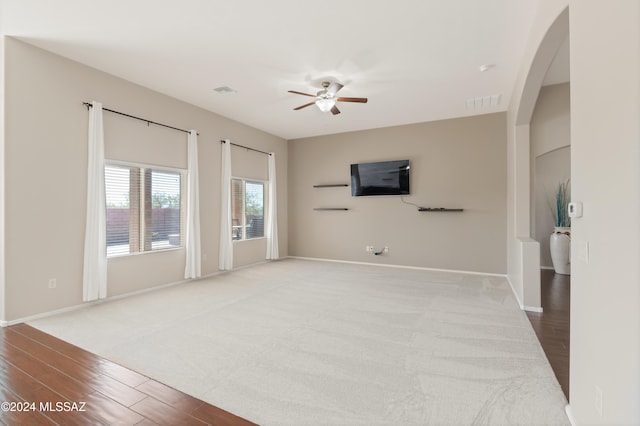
(141, 253)
(249, 239)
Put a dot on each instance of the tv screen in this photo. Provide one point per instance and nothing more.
(381, 178)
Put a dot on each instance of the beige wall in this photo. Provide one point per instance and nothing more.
(45, 172)
(550, 169)
(605, 172)
(551, 122)
(550, 159)
(456, 163)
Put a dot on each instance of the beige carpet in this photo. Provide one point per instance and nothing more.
(299, 342)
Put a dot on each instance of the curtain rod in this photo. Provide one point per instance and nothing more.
(90, 105)
(246, 147)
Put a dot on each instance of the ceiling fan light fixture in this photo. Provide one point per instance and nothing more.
(325, 104)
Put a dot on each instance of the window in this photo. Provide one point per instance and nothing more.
(145, 209)
(247, 209)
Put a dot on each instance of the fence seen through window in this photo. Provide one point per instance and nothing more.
(247, 209)
(145, 209)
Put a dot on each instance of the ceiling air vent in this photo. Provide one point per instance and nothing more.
(482, 102)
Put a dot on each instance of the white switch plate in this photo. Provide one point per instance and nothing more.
(599, 400)
(582, 251)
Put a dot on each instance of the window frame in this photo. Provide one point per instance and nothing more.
(141, 212)
(265, 201)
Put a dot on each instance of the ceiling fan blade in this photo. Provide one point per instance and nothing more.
(304, 106)
(301, 93)
(333, 89)
(335, 110)
(361, 100)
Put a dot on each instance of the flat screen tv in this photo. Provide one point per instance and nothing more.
(380, 178)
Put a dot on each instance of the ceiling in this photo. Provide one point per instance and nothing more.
(416, 60)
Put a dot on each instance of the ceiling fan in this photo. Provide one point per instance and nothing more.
(326, 98)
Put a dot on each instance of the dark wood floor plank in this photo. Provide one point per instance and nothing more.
(164, 414)
(99, 378)
(30, 390)
(117, 391)
(120, 373)
(57, 381)
(53, 358)
(85, 358)
(110, 412)
(170, 396)
(19, 417)
(13, 418)
(77, 354)
(36, 367)
(552, 325)
(219, 417)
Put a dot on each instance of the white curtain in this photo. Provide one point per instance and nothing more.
(192, 241)
(225, 258)
(272, 209)
(94, 274)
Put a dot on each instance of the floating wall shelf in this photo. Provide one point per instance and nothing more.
(438, 209)
(331, 185)
(330, 208)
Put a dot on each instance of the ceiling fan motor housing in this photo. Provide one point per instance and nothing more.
(326, 98)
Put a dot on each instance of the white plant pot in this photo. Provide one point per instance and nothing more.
(560, 247)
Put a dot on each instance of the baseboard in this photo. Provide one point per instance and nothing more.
(100, 301)
(569, 413)
(4, 323)
(513, 290)
(420, 268)
(523, 307)
(49, 313)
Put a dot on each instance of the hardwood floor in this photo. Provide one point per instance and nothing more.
(55, 383)
(552, 326)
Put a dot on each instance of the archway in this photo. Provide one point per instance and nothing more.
(527, 263)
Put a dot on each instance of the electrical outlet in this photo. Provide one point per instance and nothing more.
(369, 249)
(599, 400)
(385, 250)
(53, 283)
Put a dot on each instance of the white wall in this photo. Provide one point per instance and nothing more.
(45, 176)
(456, 163)
(605, 172)
(550, 169)
(605, 168)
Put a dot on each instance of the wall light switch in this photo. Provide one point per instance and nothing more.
(575, 209)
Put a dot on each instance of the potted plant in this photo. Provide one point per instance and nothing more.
(560, 240)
